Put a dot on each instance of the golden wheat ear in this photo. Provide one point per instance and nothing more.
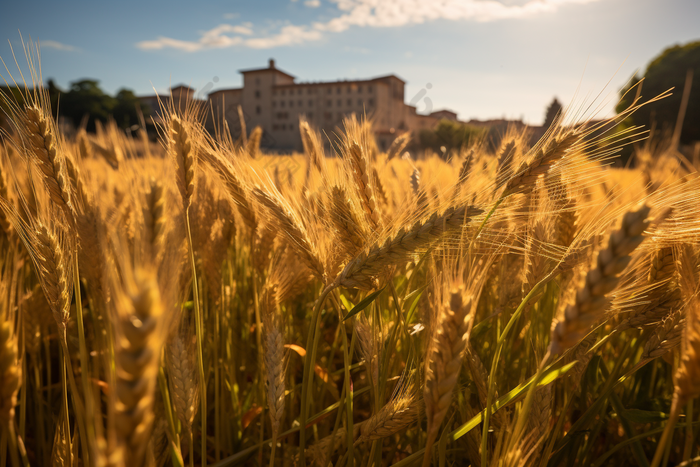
(10, 374)
(182, 153)
(291, 226)
(138, 314)
(43, 138)
(183, 378)
(348, 226)
(253, 145)
(363, 271)
(274, 355)
(399, 413)
(444, 360)
(361, 173)
(235, 188)
(591, 300)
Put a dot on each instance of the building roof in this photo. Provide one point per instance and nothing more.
(340, 82)
(448, 111)
(388, 76)
(271, 67)
(182, 86)
(224, 90)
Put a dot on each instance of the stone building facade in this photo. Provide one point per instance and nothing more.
(272, 99)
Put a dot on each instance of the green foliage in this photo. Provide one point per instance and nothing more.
(125, 109)
(554, 109)
(85, 103)
(85, 99)
(666, 71)
(450, 135)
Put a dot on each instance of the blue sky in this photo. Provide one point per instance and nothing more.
(482, 58)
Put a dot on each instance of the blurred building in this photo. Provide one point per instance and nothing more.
(272, 99)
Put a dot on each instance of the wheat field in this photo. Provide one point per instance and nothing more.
(197, 302)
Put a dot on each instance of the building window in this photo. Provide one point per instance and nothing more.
(371, 102)
(283, 126)
(329, 103)
(349, 101)
(340, 115)
(281, 103)
(327, 115)
(340, 102)
(329, 91)
(311, 115)
(275, 126)
(258, 110)
(359, 89)
(300, 91)
(291, 103)
(257, 94)
(300, 103)
(311, 103)
(369, 88)
(338, 90)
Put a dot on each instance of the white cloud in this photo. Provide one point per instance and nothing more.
(364, 13)
(57, 45)
(215, 38)
(288, 35)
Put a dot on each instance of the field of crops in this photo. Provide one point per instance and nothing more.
(197, 302)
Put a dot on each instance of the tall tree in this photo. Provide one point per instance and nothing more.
(553, 110)
(127, 107)
(666, 71)
(85, 99)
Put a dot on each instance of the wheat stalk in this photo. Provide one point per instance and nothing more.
(591, 300)
(347, 224)
(444, 360)
(524, 179)
(398, 145)
(138, 308)
(312, 148)
(289, 224)
(362, 271)
(379, 187)
(183, 378)
(252, 147)
(42, 141)
(663, 294)
(504, 169)
(361, 173)
(5, 225)
(154, 216)
(480, 377)
(466, 168)
(369, 349)
(10, 374)
(666, 336)
(53, 267)
(397, 414)
(184, 158)
(234, 186)
(687, 376)
(274, 356)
